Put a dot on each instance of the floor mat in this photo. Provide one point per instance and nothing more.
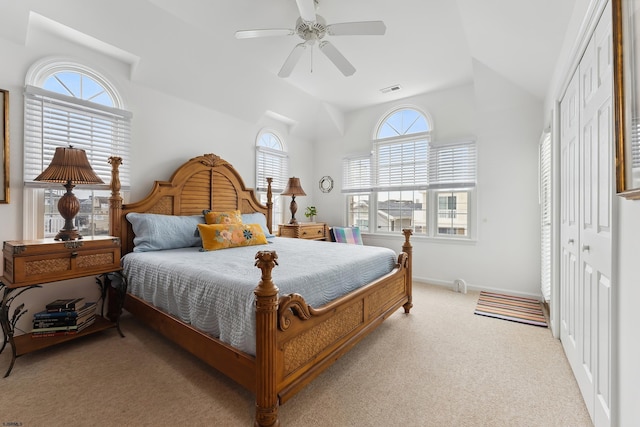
(508, 307)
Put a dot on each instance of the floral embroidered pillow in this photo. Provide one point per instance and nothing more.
(230, 217)
(222, 236)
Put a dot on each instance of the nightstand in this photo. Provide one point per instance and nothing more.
(32, 264)
(304, 230)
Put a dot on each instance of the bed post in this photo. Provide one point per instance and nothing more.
(266, 319)
(408, 249)
(115, 201)
(269, 205)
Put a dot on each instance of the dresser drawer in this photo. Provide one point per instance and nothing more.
(312, 232)
(305, 230)
(30, 262)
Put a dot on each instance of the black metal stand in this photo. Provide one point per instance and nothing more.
(115, 285)
(9, 325)
(112, 284)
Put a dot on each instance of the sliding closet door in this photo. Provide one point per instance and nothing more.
(586, 214)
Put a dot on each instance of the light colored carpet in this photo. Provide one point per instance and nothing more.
(439, 366)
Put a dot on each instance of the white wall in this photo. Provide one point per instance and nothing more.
(507, 123)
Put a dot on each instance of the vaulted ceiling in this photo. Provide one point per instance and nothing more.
(428, 45)
(187, 49)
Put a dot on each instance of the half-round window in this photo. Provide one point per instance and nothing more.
(270, 140)
(402, 122)
(79, 85)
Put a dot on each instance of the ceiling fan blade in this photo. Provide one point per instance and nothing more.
(307, 10)
(249, 34)
(292, 60)
(364, 28)
(337, 58)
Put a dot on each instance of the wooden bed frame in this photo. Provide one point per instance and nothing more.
(294, 342)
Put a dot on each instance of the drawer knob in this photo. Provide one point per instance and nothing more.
(74, 254)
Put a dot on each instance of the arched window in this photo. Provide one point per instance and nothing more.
(69, 104)
(405, 121)
(410, 181)
(272, 161)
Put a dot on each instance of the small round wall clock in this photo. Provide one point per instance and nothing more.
(326, 184)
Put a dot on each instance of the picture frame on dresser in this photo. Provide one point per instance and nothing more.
(4, 146)
(626, 54)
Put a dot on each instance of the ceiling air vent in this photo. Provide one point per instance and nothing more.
(393, 88)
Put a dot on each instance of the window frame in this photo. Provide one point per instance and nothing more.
(37, 100)
(281, 156)
(445, 176)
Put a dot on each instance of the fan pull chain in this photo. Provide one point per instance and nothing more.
(311, 59)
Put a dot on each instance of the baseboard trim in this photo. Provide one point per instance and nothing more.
(472, 287)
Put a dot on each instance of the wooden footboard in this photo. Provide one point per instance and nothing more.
(296, 342)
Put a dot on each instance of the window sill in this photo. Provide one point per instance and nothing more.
(419, 238)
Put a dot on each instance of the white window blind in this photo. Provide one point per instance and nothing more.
(274, 164)
(53, 120)
(400, 165)
(452, 165)
(545, 215)
(356, 174)
(635, 143)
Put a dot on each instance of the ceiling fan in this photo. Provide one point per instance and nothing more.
(312, 28)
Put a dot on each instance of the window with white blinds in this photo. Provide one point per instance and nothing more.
(274, 164)
(452, 165)
(54, 120)
(272, 161)
(400, 165)
(69, 104)
(545, 214)
(402, 183)
(356, 174)
(635, 143)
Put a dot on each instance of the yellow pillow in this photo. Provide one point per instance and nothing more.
(222, 236)
(231, 217)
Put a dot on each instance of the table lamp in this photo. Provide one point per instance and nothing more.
(293, 189)
(69, 166)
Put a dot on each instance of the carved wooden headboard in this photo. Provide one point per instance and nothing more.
(204, 182)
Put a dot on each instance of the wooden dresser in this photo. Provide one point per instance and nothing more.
(304, 230)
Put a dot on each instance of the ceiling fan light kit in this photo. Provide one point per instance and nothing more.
(312, 28)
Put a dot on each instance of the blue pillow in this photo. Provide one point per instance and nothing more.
(257, 218)
(154, 232)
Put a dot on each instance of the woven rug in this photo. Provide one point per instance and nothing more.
(508, 307)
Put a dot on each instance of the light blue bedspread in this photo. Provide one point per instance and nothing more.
(213, 291)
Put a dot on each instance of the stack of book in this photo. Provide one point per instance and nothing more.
(63, 317)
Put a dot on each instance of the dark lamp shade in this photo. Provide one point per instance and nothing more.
(293, 188)
(70, 164)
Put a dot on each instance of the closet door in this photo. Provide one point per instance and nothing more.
(586, 214)
(596, 192)
(569, 236)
